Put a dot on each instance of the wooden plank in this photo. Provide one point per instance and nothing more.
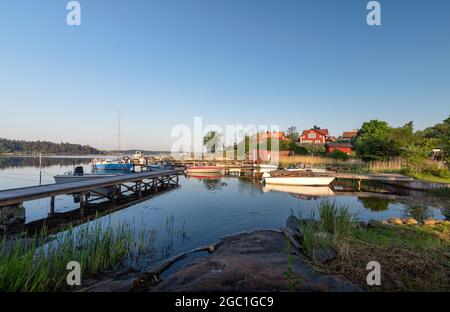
(375, 177)
(14, 196)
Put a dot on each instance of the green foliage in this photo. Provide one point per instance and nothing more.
(211, 140)
(42, 267)
(334, 227)
(371, 142)
(334, 220)
(312, 149)
(337, 154)
(440, 134)
(377, 140)
(34, 147)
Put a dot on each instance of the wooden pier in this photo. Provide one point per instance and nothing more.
(119, 187)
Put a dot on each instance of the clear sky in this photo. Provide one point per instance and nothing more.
(163, 62)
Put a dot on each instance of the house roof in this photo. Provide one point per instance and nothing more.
(337, 144)
(323, 132)
(349, 134)
(275, 135)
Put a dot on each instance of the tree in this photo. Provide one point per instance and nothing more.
(211, 140)
(312, 149)
(372, 140)
(440, 136)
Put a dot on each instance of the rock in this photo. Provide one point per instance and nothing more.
(296, 225)
(409, 221)
(362, 225)
(255, 261)
(293, 223)
(211, 249)
(324, 255)
(430, 221)
(394, 221)
(374, 223)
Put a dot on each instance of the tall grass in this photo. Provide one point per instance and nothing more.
(97, 247)
(331, 231)
(355, 165)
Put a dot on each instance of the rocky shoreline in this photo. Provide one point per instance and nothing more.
(252, 261)
(260, 260)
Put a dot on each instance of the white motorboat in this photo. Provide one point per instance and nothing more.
(79, 175)
(308, 178)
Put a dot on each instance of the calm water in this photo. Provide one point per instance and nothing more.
(200, 211)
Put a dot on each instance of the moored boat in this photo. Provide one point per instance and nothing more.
(79, 175)
(160, 166)
(205, 169)
(308, 178)
(110, 165)
(138, 158)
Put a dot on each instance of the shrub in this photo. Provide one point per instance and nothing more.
(337, 154)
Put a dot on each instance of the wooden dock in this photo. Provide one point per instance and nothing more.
(142, 181)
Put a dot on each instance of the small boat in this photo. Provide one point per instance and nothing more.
(159, 167)
(263, 168)
(138, 158)
(79, 175)
(110, 165)
(309, 178)
(204, 169)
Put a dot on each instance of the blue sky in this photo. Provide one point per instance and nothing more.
(162, 63)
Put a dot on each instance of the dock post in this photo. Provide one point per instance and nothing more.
(82, 203)
(52, 205)
(359, 185)
(138, 188)
(114, 195)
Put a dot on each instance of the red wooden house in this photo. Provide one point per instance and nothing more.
(314, 136)
(271, 135)
(343, 147)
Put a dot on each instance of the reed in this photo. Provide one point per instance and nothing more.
(332, 230)
(354, 165)
(42, 267)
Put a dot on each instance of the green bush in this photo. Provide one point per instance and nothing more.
(337, 154)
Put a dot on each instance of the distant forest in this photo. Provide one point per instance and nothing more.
(36, 147)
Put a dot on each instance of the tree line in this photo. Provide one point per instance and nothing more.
(378, 140)
(35, 147)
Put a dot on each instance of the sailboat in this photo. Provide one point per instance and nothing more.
(113, 165)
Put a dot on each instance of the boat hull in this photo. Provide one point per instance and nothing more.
(113, 167)
(308, 181)
(205, 169)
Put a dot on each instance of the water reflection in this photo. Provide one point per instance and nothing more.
(306, 192)
(30, 161)
(375, 203)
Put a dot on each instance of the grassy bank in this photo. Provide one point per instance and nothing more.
(26, 265)
(412, 257)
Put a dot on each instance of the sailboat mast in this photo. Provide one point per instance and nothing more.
(118, 138)
(118, 134)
